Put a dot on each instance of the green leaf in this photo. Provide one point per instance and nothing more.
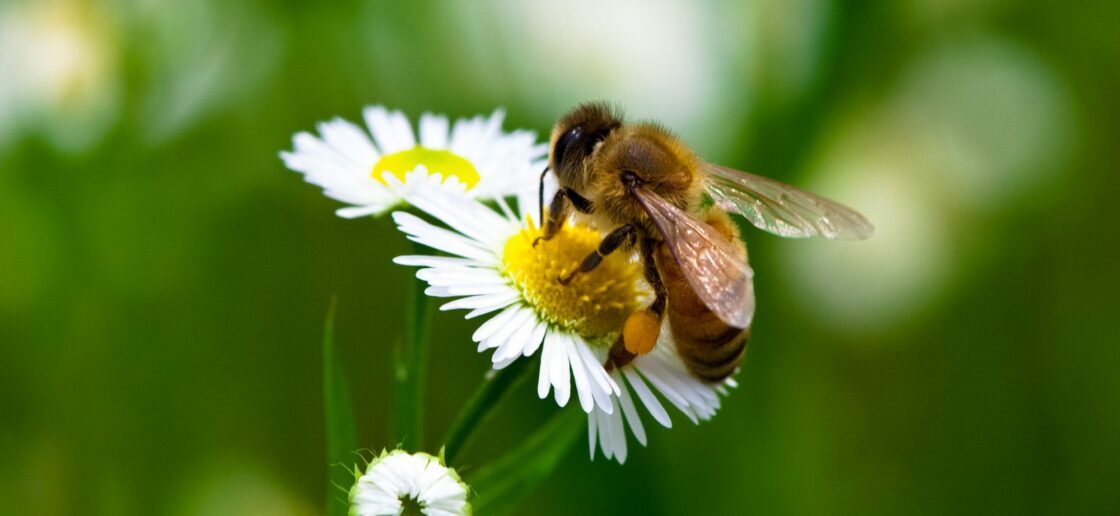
(503, 483)
(410, 370)
(341, 430)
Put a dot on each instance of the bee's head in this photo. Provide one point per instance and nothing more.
(576, 137)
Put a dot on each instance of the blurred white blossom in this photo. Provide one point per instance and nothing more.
(58, 72)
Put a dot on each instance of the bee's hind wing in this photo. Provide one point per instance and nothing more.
(782, 209)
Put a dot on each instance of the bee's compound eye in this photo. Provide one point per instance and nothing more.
(571, 139)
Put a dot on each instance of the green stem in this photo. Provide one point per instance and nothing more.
(341, 430)
(505, 482)
(480, 405)
(410, 370)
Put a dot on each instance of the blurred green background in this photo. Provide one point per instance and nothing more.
(164, 279)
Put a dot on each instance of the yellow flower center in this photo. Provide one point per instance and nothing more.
(595, 304)
(437, 161)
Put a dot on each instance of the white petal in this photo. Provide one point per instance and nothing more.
(505, 341)
(315, 157)
(456, 276)
(496, 300)
(350, 141)
(517, 342)
(592, 433)
(494, 123)
(579, 373)
(535, 339)
(606, 443)
(391, 130)
(340, 163)
(483, 310)
(465, 136)
(631, 413)
(543, 384)
(502, 364)
(433, 131)
(461, 214)
(653, 405)
(558, 368)
(701, 397)
(484, 289)
(662, 380)
(354, 212)
(618, 437)
(440, 239)
(596, 370)
(494, 324)
(435, 261)
(403, 130)
(600, 390)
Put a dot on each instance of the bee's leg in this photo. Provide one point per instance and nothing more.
(582, 204)
(540, 194)
(653, 277)
(611, 242)
(557, 214)
(641, 330)
(558, 211)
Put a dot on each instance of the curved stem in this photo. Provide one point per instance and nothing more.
(484, 399)
(502, 484)
(410, 370)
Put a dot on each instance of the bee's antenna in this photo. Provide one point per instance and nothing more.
(540, 196)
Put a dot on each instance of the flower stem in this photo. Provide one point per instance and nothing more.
(505, 482)
(341, 432)
(484, 399)
(410, 370)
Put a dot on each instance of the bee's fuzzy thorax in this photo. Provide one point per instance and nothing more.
(663, 164)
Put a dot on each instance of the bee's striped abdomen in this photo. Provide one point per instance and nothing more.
(710, 348)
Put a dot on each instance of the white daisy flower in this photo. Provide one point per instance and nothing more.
(472, 155)
(399, 482)
(494, 267)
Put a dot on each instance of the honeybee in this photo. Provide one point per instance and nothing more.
(648, 187)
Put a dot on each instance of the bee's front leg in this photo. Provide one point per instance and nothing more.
(642, 328)
(622, 234)
(558, 211)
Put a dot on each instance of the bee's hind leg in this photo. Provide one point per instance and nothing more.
(642, 328)
(625, 234)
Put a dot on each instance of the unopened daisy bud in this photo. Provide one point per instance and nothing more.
(472, 156)
(398, 482)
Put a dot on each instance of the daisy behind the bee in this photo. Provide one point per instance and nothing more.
(474, 156)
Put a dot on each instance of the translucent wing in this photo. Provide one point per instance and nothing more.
(711, 264)
(782, 209)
